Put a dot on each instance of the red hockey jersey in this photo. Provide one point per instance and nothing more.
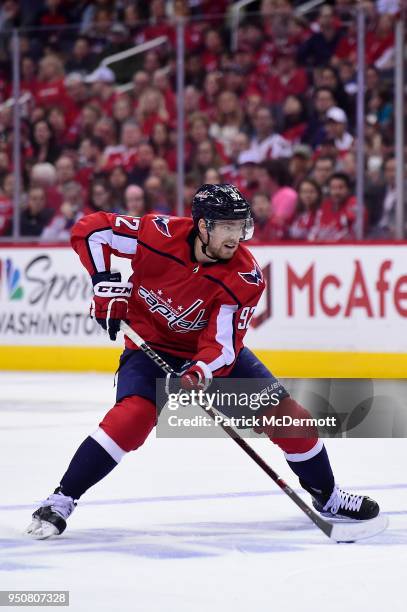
(188, 309)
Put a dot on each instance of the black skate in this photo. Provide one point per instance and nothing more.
(50, 518)
(343, 505)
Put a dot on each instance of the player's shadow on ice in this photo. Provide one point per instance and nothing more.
(206, 539)
(209, 539)
(191, 540)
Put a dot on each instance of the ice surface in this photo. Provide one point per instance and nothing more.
(186, 525)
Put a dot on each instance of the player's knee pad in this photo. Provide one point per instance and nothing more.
(130, 421)
(292, 438)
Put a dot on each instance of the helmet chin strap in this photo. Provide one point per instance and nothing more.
(205, 246)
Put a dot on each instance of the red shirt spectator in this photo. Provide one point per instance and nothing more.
(6, 214)
(287, 80)
(336, 218)
(51, 89)
(211, 55)
(309, 201)
(264, 228)
(103, 94)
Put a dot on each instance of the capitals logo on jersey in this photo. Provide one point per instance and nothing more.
(161, 224)
(177, 321)
(254, 277)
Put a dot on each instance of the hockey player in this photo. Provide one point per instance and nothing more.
(192, 293)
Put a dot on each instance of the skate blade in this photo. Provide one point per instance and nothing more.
(41, 530)
(358, 530)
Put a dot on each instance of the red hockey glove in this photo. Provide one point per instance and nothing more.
(109, 305)
(195, 375)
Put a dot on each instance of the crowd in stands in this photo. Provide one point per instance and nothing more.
(275, 117)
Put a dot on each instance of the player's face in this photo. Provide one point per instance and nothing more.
(224, 238)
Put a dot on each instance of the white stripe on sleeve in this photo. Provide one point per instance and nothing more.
(122, 244)
(224, 336)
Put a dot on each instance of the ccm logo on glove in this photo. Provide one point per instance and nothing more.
(110, 303)
(113, 289)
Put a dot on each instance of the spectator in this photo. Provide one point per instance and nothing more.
(73, 193)
(198, 132)
(134, 201)
(141, 82)
(131, 19)
(163, 147)
(206, 157)
(151, 108)
(76, 95)
(85, 123)
(122, 109)
(274, 179)
(98, 32)
(211, 89)
(151, 63)
(239, 144)
(323, 169)
(347, 164)
(43, 175)
(50, 90)
(320, 47)
(294, 121)
(300, 164)
(159, 168)
(81, 58)
(4, 164)
(336, 123)
(100, 198)
(105, 130)
(330, 79)
(323, 100)
(235, 79)
(90, 158)
(194, 72)
(142, 168)
(117, 182)
(228, 120)
(126, 153)
(380, 105)
(58, 124)
(29, 80)
(212, 177)
(118, 41)
(103, 94)
(381, 200)
(264, 228)
(156, 198)
(335, 220)
(59, 228)
(247, 179)
(161, 81)
(45, 148)
(6, 204)
(309, 201)
(213, 49)
(288, 79)
(35, 215)
(265, 143)
(65, 168)
(192, 100)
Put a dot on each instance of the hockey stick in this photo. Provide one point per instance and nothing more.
(339, 532)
